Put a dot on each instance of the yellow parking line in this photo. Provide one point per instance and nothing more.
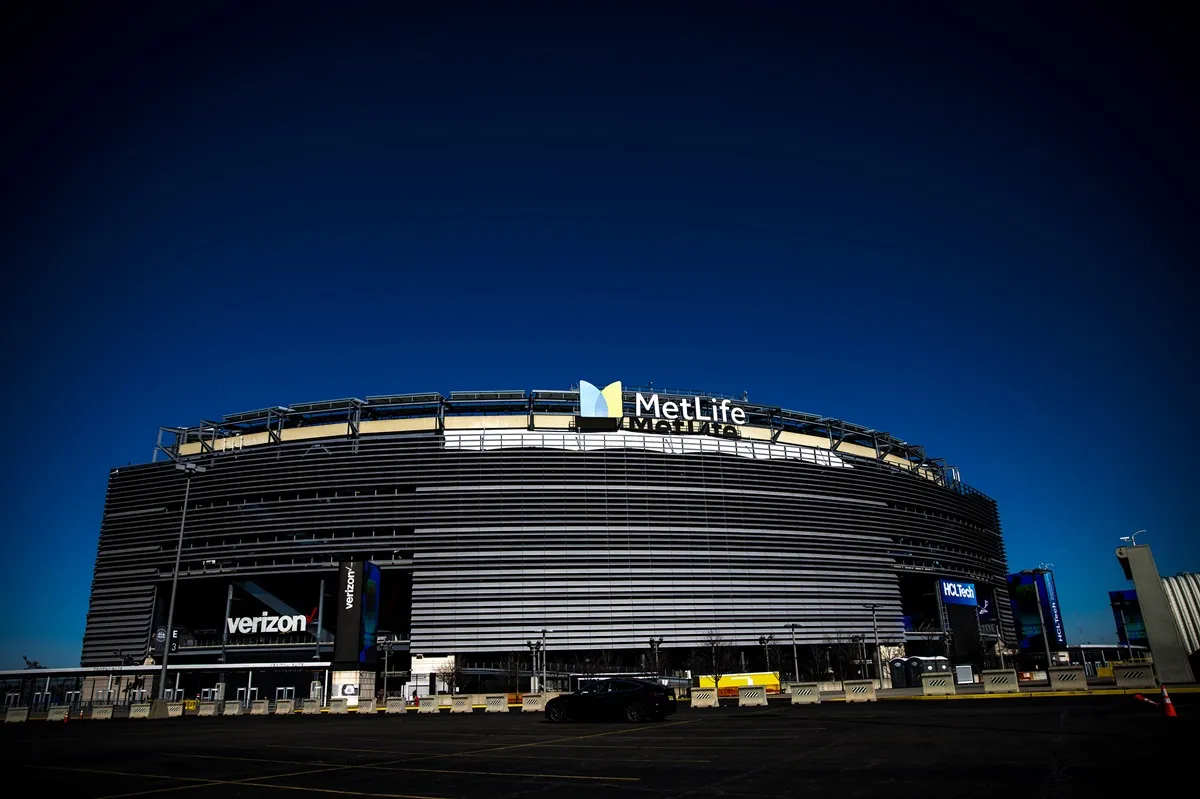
(1042, 694)
(509, 774)
(427, 770)
(198, 782)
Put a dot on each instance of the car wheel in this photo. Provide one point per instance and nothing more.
(556, 714)
(634, 713)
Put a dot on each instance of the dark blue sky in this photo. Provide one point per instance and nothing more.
(976, 233)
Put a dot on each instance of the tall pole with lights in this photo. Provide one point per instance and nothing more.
(655, 643)
(534, 648)
(189, 468)
(1037, 597)
(875, 631)
(795, 655)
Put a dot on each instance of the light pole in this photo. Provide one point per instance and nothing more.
(1037, 597)
(1125, 631)
(387, 650)
(534, 648)
(544, 652)
(875, 631)
(795, 655)
(189, 468)
(765, 642)
(655, 643)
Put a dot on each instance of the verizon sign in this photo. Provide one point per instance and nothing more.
(253, 625)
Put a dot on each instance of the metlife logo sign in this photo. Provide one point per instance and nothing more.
(958, 593)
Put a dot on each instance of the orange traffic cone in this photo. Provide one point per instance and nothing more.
(1168, 706)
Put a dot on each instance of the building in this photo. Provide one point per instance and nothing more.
(1158, 603)
(587, 522)
(1182, 594)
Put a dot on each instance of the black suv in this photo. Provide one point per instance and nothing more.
(617, 698)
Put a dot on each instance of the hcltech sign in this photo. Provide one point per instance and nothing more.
(958, 593)
(652, 414)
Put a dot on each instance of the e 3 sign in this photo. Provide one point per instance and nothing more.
(957, 593)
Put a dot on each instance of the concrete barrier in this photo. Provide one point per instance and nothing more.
(445, 700)
(752, 696)
(367, 707)
(102, 712)
(705, 697)
(16, 714)
(461, 703)
(806, 693)
(533, 703)
(141, 710)
(258, 707)
(428, 704)
(859, 690)
(396, 705)
(1000, 681)
(938, 683)
(339, 706)
(1067, 678)
(285, 707)
(58, 712)
(233, 707)
(174, 710)
(1135, 675)
(310, 707)
(206, 709)
(495, 703)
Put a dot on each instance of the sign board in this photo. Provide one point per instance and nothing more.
(957, 593)
(1034, 599)
(357, 600)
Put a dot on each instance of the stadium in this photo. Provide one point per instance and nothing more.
(618, 528)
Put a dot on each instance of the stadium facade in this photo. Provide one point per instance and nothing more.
(605, 517)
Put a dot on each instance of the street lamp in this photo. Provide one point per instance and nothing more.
(765, 642)
(189, 468)
(544, 653)
(795, 656)
(534, 648)
(387, 651)
(655, 643)
(1037, 597)
(875, 631)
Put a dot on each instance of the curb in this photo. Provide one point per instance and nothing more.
(1024, 695)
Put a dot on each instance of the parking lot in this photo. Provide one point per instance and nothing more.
(1052, 746)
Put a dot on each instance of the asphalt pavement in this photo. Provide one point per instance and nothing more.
(1061, 747)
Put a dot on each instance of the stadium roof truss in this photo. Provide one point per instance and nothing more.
(352, 412)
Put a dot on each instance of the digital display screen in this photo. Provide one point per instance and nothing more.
(1127, 613)
(957, 593)
(370, 613)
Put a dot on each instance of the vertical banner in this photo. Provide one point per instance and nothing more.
(348, 597)
(1055, 628)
